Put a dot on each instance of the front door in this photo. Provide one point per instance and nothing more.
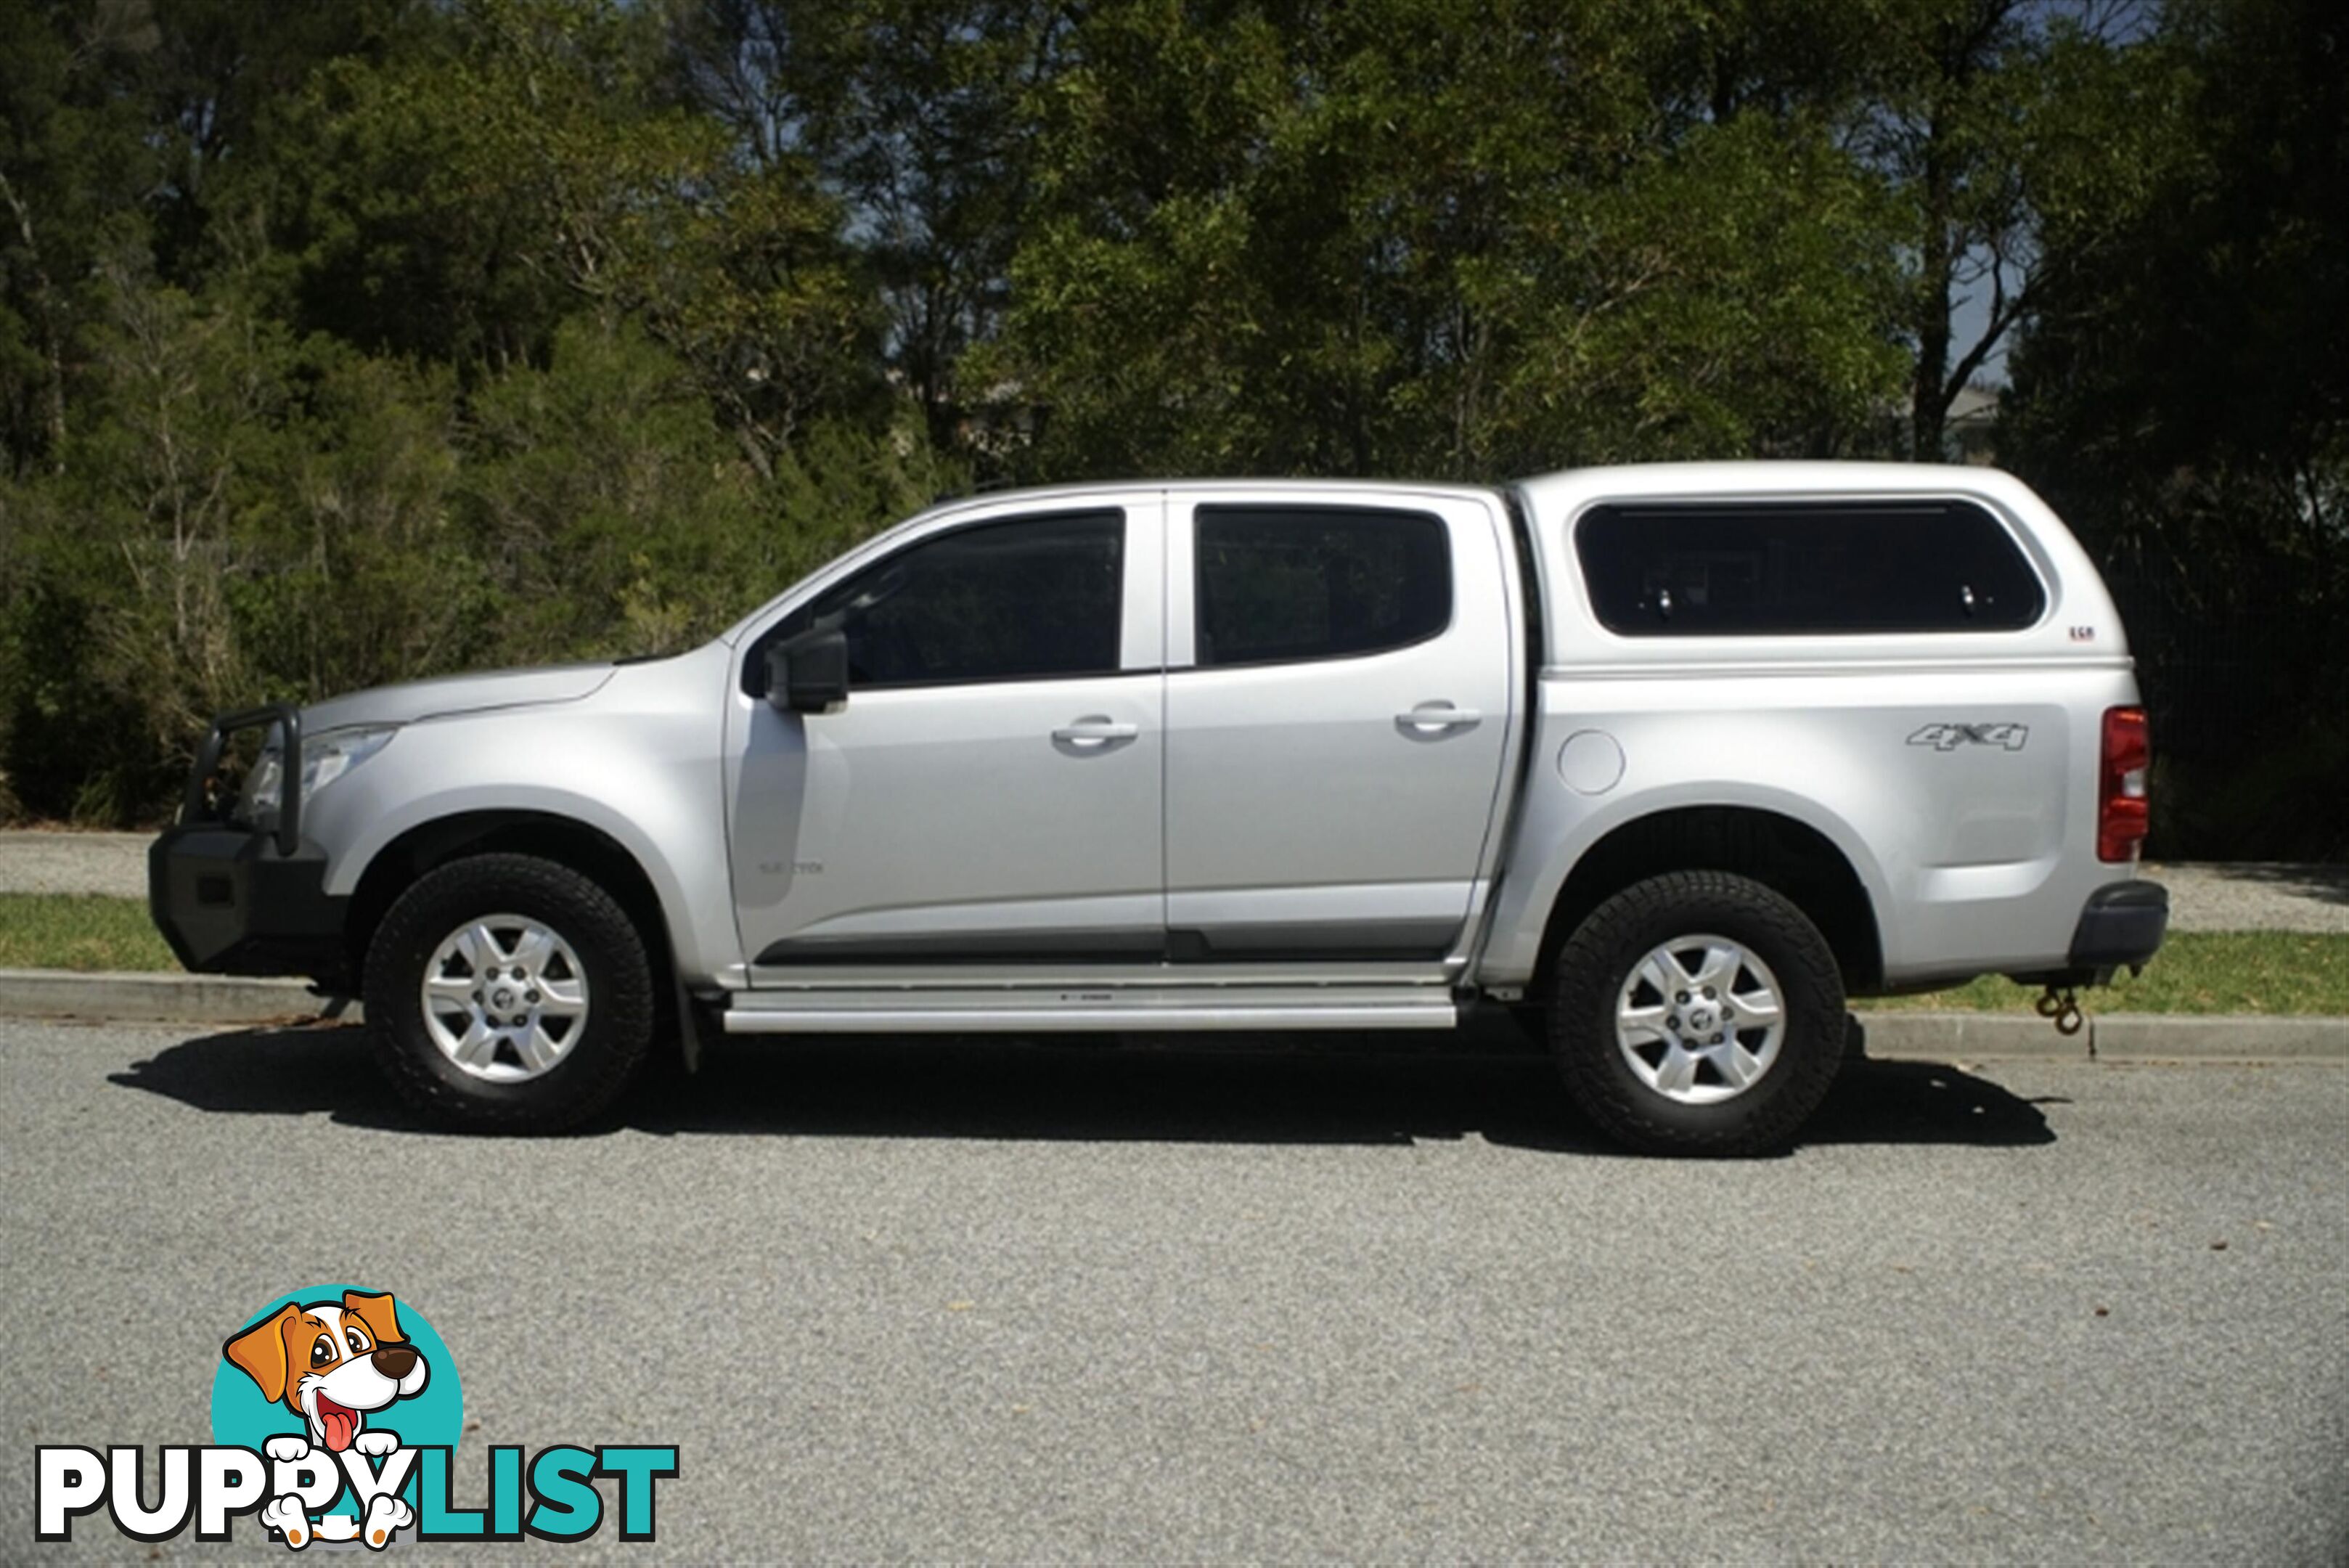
(991, 791)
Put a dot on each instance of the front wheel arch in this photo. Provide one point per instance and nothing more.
(566, 841)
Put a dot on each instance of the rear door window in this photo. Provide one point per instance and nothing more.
(1804, 568)
(1283, 583)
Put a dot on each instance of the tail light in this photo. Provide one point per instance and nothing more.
(2122, 808)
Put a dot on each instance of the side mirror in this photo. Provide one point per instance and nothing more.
(809, 674)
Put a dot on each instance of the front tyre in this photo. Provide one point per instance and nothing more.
(1698, 1012)
(508, 993)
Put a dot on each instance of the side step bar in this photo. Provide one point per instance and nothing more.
(1106, 1011)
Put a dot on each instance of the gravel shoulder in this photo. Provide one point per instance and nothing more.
(110, 862)
(2255, 896)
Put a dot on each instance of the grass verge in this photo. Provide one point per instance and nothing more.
(78, 931)
(2277, 972)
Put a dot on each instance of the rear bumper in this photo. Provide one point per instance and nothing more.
(230, 901)
(2121, 924)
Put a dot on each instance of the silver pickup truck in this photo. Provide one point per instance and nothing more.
(1675, 758)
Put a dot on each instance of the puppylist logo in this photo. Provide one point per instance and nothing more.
(334, 1413)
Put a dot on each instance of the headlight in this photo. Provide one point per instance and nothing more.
(325, 759)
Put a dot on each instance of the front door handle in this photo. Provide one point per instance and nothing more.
(1438, 718)
(1091, 733)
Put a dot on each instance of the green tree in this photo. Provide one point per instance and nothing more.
(342, 344)
(239, 514)
(911, 111)
(1989, 119)
(2182, 393)
(122, 118)
(1423, 235)
(605, 505)
(73, 163)
(463, 198)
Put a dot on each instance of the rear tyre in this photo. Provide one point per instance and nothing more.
(1698, 1012)
(508, 993)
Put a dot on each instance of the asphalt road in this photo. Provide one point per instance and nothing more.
(979, 1302)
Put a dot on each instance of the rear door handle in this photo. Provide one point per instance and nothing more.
(1093, 734)
(1436, 718)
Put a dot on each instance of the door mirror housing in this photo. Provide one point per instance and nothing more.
(809, 673)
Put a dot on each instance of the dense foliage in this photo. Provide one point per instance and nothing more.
(346, 342)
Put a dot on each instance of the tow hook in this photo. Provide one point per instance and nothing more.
(2060, 1005)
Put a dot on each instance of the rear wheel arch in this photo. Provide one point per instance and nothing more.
(1791, 857)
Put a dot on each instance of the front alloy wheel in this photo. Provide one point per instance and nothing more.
(506, 997)
(505, 992)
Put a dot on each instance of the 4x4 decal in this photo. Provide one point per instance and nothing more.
(1950, 737)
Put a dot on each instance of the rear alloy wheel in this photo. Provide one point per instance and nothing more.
(509, 993)
(1698, 1012)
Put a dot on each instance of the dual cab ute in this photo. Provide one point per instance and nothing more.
(1678, 758)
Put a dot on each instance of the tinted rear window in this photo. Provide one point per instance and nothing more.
(1804, 568)
(1283, 583)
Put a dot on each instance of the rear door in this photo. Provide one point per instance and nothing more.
(1338, 706)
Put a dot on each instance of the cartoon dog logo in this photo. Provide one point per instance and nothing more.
(332, 1363)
